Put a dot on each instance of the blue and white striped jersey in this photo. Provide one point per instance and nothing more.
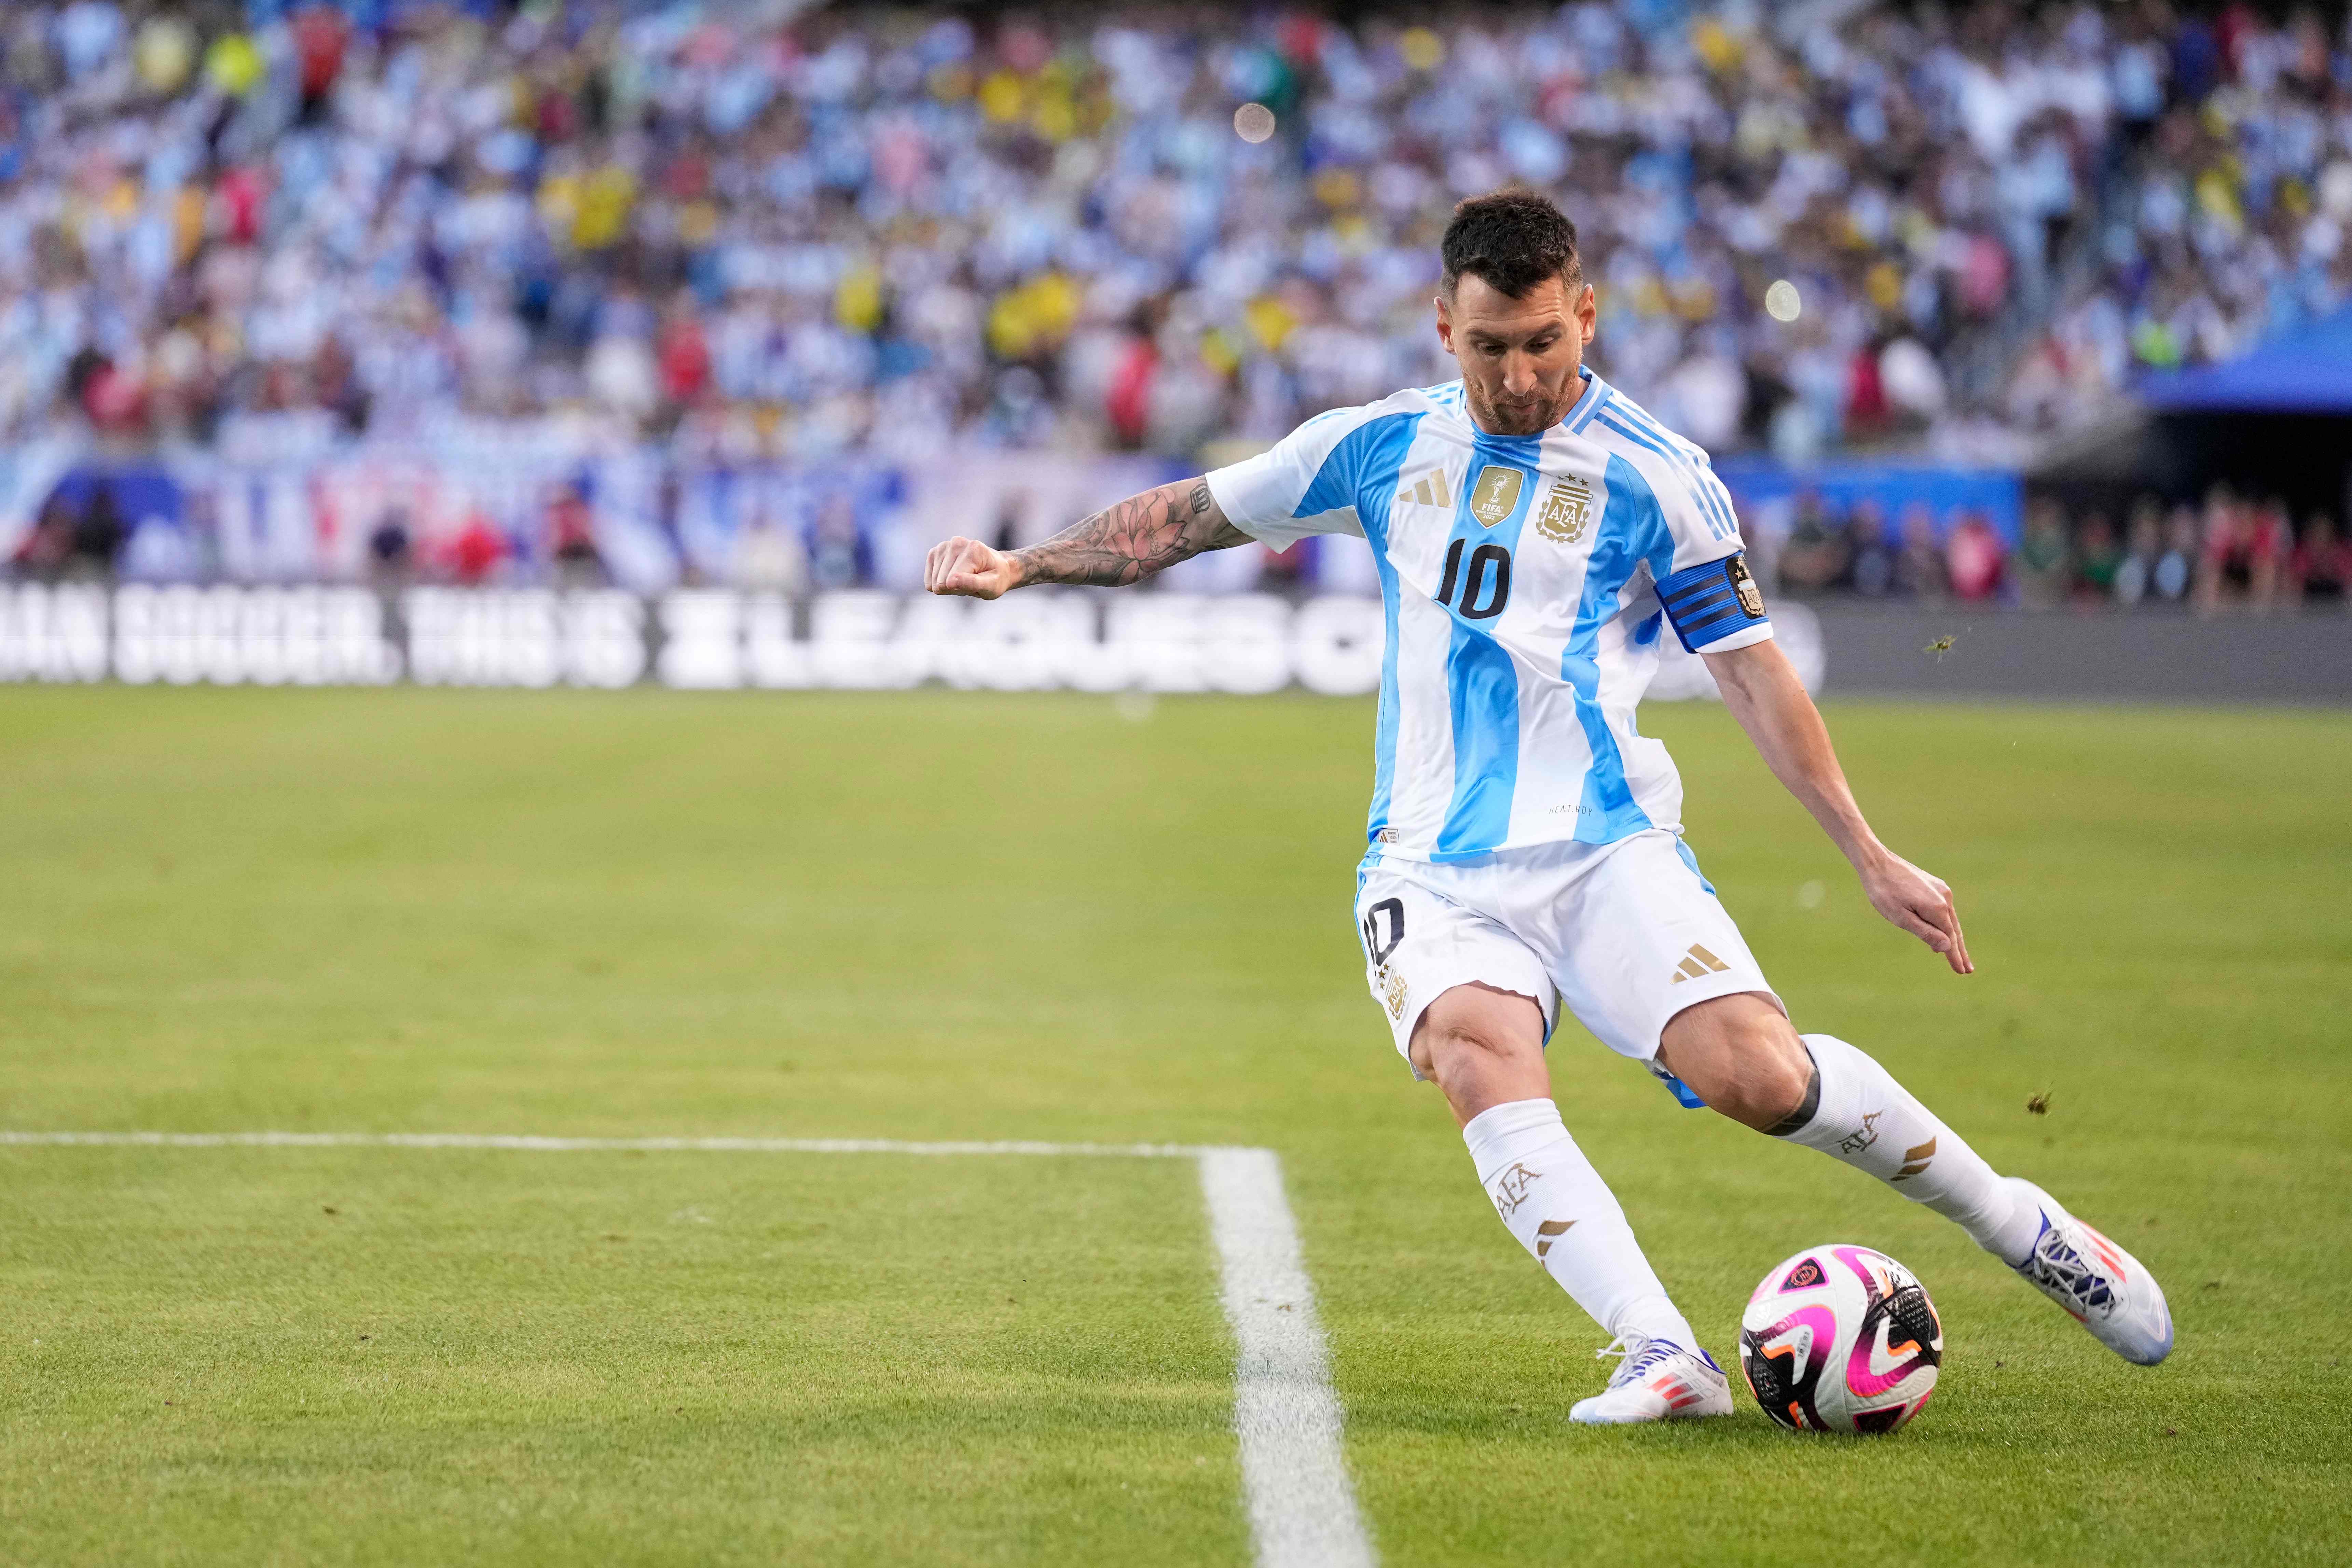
(1527, 581)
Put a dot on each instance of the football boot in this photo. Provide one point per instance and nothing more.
(2103, 1288)
(1655, 1380)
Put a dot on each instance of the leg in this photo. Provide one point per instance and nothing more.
(1466, 999)
(1741, 1056)
(1483, 1047)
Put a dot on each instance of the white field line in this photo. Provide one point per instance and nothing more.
(531, 1143)
(1302, 1510)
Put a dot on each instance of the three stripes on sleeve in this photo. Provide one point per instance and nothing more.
(1709, 602)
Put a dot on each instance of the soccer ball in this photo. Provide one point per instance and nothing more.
(1840, 1339)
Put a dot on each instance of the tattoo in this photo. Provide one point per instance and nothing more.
(1130, 542)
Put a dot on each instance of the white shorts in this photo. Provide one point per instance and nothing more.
(1628, 934)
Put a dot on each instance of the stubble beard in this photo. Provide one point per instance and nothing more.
(1531, 419)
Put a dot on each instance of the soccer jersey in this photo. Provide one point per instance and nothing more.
(1527, 580)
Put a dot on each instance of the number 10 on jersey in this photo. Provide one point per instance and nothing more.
(1486, 587)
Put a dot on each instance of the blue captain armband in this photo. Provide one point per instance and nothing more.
(1710, 601)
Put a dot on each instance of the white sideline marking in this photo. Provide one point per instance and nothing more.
(536, 1144)
(1302, 1510)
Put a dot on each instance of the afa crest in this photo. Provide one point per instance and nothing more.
(1567, 511)
(1751, 598)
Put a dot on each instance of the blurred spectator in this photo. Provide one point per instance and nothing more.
(1817, 552)
(475, 551)
(43, 551)
(97, 535)
(571, 540)
(392, 550)
(1284, 571)
(1012, 512)
(2098, 556)
(2176, 568)
(2238, 565)
(1919, 571)
(2136, 572)
(841, 557)
(1873, 572)
(2045, 565)
(1974, 560)
(2321, 570)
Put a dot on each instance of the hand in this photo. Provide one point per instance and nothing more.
(1919, 903)
(967, 566)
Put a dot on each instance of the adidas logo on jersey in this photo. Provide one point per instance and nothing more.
(1698, 964)
(1431, 490)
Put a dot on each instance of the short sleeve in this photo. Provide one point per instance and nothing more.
(1710, 595)
(1308, 482)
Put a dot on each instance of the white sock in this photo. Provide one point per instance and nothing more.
(1552, 1199)
(1866, 1119)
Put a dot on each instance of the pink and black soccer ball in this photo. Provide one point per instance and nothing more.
(1840, 1339)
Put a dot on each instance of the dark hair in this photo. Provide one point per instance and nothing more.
(1513, 240)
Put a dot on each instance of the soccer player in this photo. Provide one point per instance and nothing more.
(1535, 531)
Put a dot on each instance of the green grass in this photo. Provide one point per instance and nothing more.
(928, 915)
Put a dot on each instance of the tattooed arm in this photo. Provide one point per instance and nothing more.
(1116, 546)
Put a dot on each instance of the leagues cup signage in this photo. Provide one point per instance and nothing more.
(308, 634)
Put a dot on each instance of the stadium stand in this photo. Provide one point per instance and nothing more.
(850, 241)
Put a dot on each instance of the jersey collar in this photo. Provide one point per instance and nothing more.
(1596, 392)
(1580, 413)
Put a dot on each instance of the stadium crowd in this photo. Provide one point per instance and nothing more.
(756, 233)
(2231, 553)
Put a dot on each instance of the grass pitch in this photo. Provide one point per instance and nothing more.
(941, 916)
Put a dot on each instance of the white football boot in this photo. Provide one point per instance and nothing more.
(2106, 1288)
(1658, 1380)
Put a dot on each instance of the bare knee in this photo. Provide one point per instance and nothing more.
(1451, 1048)
(1741, 1058)
(1482, 1048)
(1772, 1086)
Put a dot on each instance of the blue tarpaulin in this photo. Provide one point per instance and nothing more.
(2306, 371)
(1998, 495)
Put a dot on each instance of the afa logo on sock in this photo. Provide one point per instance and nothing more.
(1511, 1191)
(1855, 1142)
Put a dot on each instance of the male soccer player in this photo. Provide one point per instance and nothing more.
(1533, 529)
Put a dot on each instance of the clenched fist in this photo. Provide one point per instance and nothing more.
(967, 566)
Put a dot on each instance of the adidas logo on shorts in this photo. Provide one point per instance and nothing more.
(1698, 964)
